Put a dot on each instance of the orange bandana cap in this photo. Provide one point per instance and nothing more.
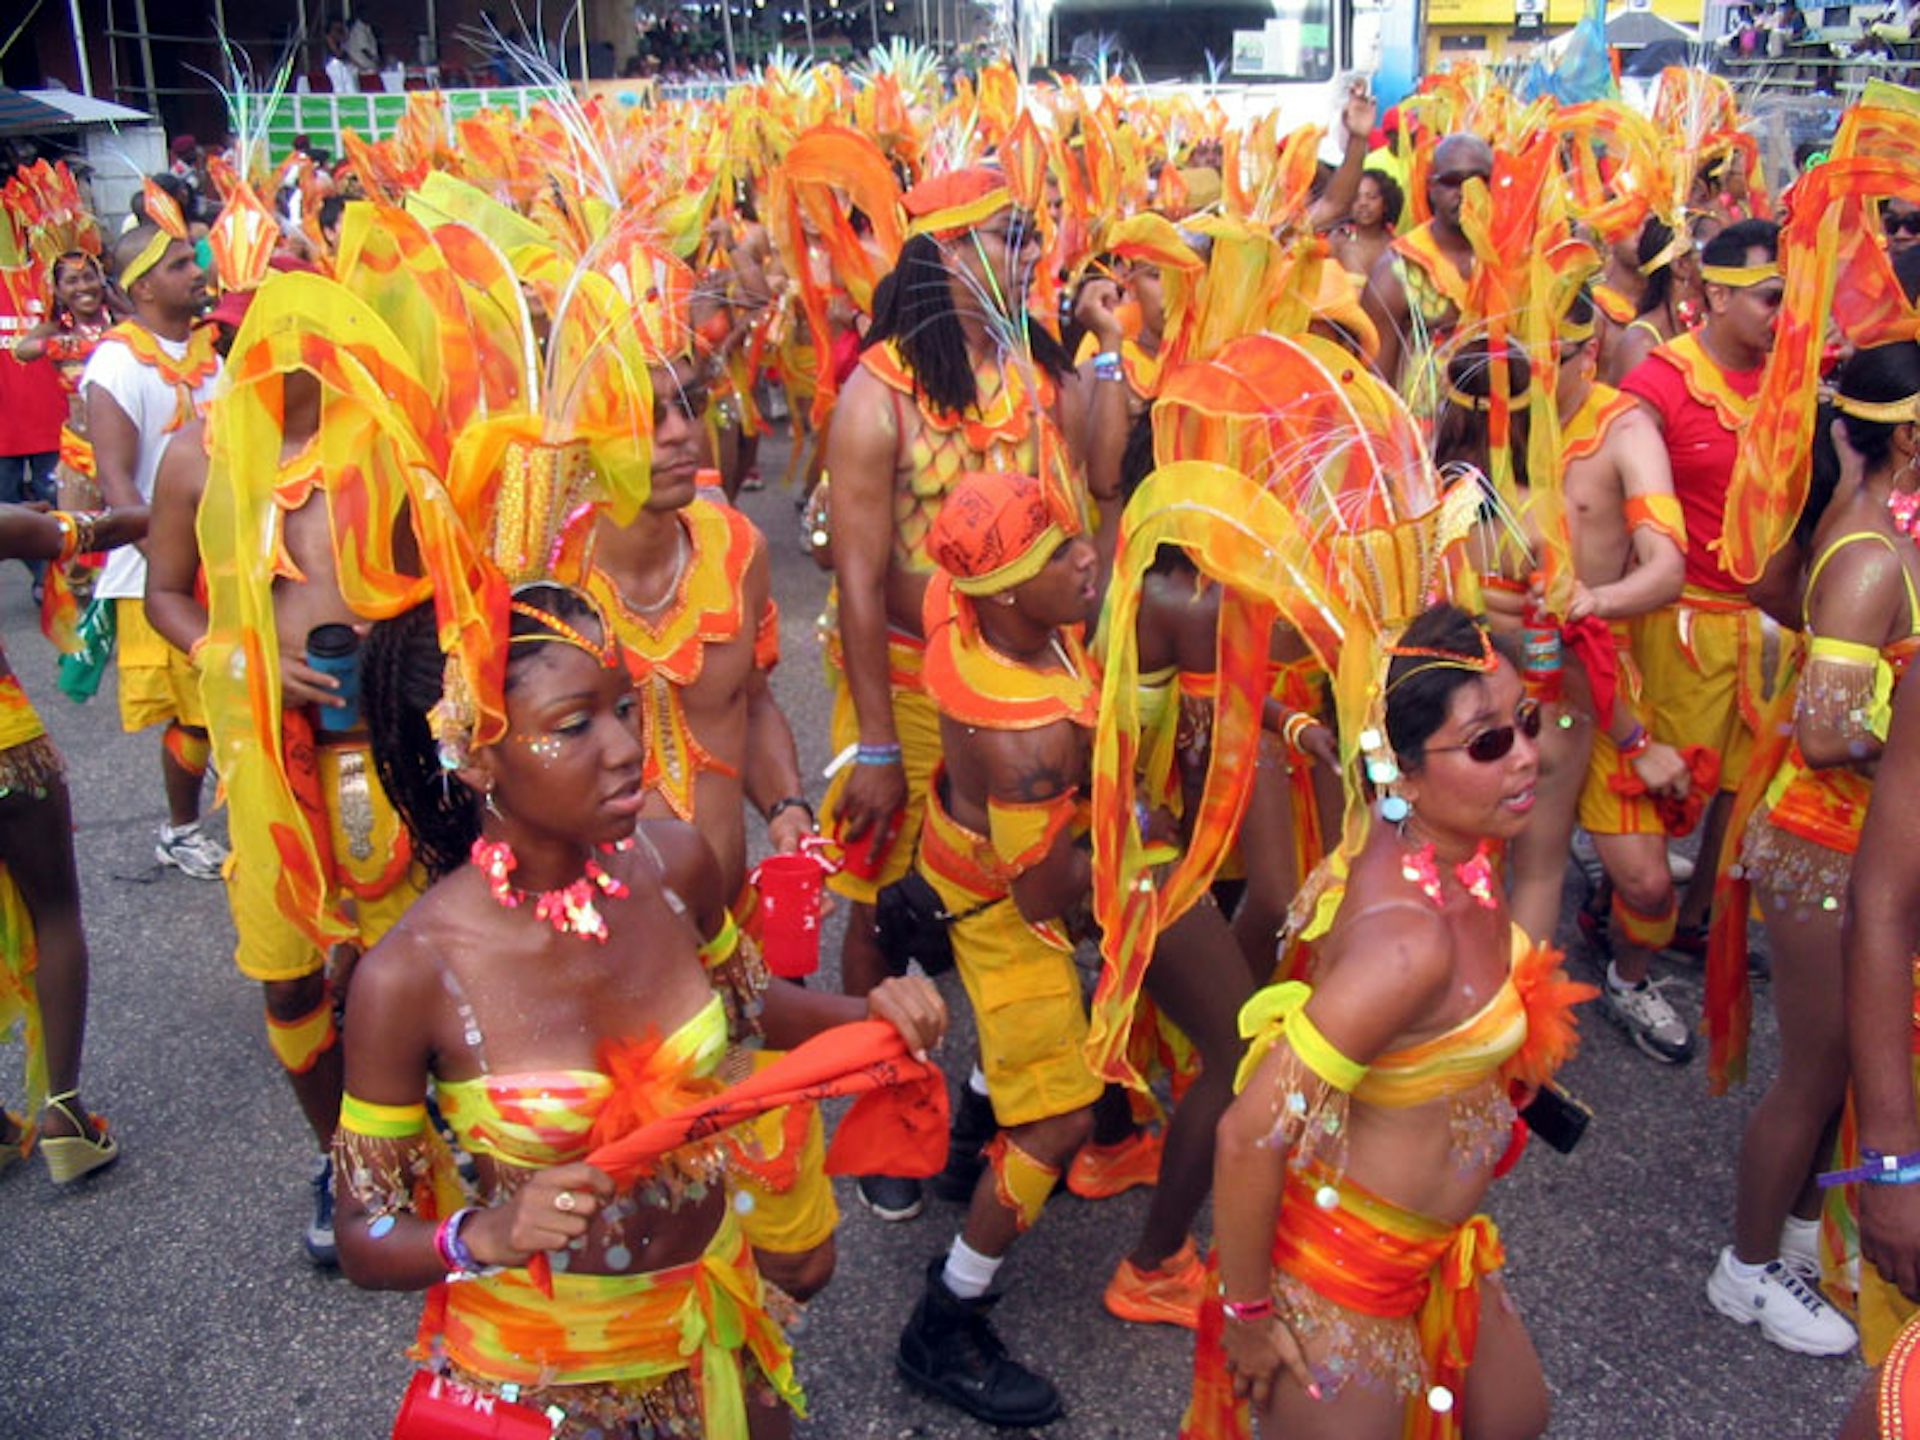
(951, 204)
(995, 531)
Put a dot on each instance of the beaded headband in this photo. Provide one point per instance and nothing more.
(1485, 663)
(1884, 412)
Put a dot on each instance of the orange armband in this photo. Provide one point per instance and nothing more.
(1658, 512)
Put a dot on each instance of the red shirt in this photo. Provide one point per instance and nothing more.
(33, 407)
(1701, 411)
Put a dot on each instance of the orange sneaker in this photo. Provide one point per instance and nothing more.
(1101, 1171)
(1170, 1295)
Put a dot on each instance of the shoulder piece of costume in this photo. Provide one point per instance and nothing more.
(1706, 382)
(975, 684)
(668, 651)
(1586, 432)
(185, 374)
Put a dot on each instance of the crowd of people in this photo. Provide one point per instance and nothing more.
(1266, 573)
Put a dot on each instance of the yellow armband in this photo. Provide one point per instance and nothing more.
(381, 1122)
(1658, 512)
(1279, 1011)
(718, 948)
(1847, 680)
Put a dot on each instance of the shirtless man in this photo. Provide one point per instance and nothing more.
(908, 424)
(688, 588)
(1629, 548)
(1427, 268)
(321, 776)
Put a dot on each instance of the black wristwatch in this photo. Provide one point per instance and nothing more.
(780, 807)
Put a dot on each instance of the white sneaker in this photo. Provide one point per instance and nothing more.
(1643, 1012)
(1789, 1312)
(1680, 866)
(192, 850)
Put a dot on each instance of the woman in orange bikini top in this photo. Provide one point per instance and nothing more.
(1375, 1102)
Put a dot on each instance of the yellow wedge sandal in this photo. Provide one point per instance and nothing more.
(71, 1156)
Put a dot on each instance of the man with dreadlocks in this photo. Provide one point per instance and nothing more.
(1418, 289)
(955, 379)
(149, 376)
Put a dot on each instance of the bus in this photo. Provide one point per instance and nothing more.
(1294, 56)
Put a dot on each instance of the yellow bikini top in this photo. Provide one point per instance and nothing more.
(1448, 1064)
(535, 1118)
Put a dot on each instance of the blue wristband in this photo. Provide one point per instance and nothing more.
(1876, 1167)
(878, 755)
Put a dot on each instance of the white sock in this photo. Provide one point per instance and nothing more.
(977, 1082)
(969, 1273)
(1741, 1270)
(1807, 1232)
(1613, 979)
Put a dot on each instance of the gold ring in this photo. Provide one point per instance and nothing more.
(565, 1201)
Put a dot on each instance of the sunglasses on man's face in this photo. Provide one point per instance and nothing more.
(1495, 744)
(1908, 224)
(690, 403)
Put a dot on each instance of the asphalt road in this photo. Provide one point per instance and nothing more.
(168, 1297)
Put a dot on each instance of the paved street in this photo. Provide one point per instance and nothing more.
(169, 1297)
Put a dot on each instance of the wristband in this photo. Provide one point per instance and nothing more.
(780, 807)
(69, 536)
(452, 1249)
(1245, 1311)
(1637, 743)
(1296, 726)
(1876, 1167)
(1106, 366)
(878, 754)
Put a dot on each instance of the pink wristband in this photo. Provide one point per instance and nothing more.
(1246, 1310)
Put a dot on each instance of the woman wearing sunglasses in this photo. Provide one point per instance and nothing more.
(1377, 1100)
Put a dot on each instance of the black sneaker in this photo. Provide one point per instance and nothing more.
(973, 1127)
(949, 1349)
(319, 1237)
(891, 1197)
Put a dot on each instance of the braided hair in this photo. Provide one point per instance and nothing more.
(402, 677)
(918, 315)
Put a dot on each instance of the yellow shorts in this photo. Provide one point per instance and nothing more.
(157, 682)
(793, 1207)
(917, 723)
(1702, 678)
(1028, 1007)
(1604, 810)
(374, 879)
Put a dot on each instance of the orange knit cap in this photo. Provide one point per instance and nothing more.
(996, 530)
(950, 204)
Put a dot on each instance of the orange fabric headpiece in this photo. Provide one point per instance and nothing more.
(995, 531)
(950, 204)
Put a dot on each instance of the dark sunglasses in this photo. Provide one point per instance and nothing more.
(1901, 224)
(691, 403)
(1495, 744)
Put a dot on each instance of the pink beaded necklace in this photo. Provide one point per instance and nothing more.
(570, 908)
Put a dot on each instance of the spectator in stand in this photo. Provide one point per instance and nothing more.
(342, 76)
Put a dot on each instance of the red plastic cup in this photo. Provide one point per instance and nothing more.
(864, 858)
(790, 887)
(435, 1408)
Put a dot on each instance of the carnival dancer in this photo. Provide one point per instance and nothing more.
(1883, 916)
(1667, 302)
(66, 340)
(1862, 623)
(652, 1321)
(43, 947)
(955, 378)
(148, 376)
(1417, 291)
(1372, 224)
(1360, 1288)
(1700, 657)
(1016, 696)
(1628, 547)
(687, 589)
